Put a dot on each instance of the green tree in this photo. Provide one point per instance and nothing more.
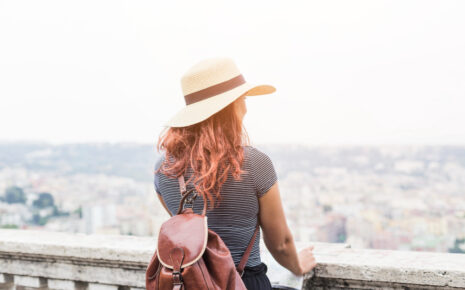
(78, 211)
(58, 212)
(9, 226)
(38, 220)
(15, 194)
(456, 248)
(45, 200)
(341, 238)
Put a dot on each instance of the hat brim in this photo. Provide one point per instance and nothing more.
(199, 111)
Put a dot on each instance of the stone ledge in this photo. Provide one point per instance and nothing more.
(107, 248)
(109, 261)
(94, 261)
(346, 266)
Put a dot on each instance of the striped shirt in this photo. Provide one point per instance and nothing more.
(235, 218)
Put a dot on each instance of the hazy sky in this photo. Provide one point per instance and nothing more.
(346, 72)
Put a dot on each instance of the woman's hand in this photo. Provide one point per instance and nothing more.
(306, 260)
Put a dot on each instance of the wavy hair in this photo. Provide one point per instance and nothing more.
(212, 148)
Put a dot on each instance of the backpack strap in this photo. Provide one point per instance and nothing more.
(185, 194)
(245, 256)
(240, 267)
(182, 184)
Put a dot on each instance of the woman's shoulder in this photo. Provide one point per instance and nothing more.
(263, 172)
(256, 155)
(159, 161)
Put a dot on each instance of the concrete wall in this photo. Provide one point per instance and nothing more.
(53, 260)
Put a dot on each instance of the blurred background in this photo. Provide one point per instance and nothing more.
(365, 130)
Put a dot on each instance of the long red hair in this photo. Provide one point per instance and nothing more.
(206, 147)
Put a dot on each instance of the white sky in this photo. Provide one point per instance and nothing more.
(346, 72)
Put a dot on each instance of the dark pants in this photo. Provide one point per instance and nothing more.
(255, 278)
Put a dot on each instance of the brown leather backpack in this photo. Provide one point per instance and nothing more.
(192, 256)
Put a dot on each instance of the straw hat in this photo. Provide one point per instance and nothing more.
(209, 86)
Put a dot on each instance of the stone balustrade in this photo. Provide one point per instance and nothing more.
(54, 260)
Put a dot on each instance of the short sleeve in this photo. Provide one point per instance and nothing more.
(263, 172)
(157, 183)
(156, 180)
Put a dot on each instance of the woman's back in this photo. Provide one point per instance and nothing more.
(235, 218)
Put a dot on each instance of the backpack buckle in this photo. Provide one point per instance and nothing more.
(187, 199)
(191, 199)
(177, 278)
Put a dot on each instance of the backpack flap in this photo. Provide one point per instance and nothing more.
(182, 240)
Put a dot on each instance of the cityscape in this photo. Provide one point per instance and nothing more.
(380, 197)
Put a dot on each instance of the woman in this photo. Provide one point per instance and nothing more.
(207, 143)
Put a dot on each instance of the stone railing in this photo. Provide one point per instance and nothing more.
(53, 260)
